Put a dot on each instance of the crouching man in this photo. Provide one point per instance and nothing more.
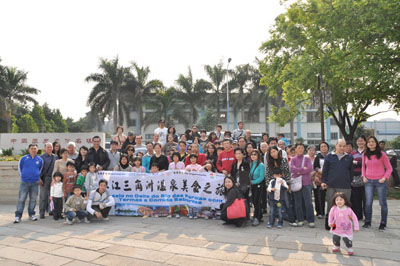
(100, 202)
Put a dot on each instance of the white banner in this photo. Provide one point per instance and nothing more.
(140, 193)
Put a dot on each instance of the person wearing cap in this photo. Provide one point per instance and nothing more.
(162, 132)
(129, 141)
(72, 154)
(113, 155)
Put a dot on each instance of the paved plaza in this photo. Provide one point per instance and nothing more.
(162, 241)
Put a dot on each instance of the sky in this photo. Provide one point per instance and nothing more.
(59, 43)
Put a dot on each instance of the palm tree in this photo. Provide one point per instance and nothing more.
(192, 93)
(13, 89)
(165, 105)
(216, 74)
(141, 88)
(106, 95)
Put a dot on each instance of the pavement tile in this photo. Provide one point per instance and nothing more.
(272, 260)
(77, 253)
(122, 261)
(136, 243)
(138, 253)
(85, 244)
(182, 260)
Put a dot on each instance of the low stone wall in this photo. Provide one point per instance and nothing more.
(9, 182)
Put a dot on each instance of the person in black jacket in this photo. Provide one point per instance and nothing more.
(211, 153)
(98, 155)
(232, 193)
(160, 159)
(395, 174)
(241, 173)
(82, 158)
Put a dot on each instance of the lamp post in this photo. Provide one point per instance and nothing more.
(227, 94)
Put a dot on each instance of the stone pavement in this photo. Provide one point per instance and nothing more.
(161, 241)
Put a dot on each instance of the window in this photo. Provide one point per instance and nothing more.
(313, 117)
(334, 135)
(252, 117)
(314, 135)
(313, 142)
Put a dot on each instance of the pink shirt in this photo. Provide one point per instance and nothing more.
(344, 218)
(193, 167)
(376, 168)
(141, 169)
(176, 166)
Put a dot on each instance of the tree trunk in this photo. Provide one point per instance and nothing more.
(218, 107)
(292, 132)
(140, 119)
(267, 116)
(115, 116)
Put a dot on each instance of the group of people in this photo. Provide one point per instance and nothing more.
(271, 172)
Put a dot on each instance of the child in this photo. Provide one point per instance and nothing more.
(208, 167)
(91, 179)
(277, 188)
(341, 219)
(69, 180)
(81, 179)
(76, 207)
(57, 195)
(193, 166)
(137, 165)
(176, 164)
(154, 168)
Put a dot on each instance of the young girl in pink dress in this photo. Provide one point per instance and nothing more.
(341, 221)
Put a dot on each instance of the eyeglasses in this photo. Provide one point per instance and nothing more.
(131, 150)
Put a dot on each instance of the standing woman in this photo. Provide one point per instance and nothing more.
(241, 173)
(257, 173)
(319, 193)
(211, 153)
(358, 192)
(159, 158)
(172, 131)
(212, 137)
(57, 149)
(301, 167)
(61, 164)
(249, 149)
(119, 137)
(82, 159)
(376, 170)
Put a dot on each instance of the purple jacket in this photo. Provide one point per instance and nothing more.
(295, 168)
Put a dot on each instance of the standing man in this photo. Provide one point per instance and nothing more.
(98, 155)
(337, 174)
(195, 132)
(139, 147)
(162, 132)
(218, 132)
(45, 178)
(29, 168)
(249, 140)
(129, 141)
(113, 155)
(147, 157)
(72, 153)
(239, 131)
(226, 158)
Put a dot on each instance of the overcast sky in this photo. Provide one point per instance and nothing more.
(60, 42)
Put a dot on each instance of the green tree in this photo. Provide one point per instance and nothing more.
(352, 45)
(14, 126)
(107, 94)
(192, 93)
(217, 75)
(209, 120)
(140, 89)
(26, 124)
(13, 90)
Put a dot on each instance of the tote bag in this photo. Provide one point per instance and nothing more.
(297, 183)
(237, 209)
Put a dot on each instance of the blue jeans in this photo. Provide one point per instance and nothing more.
(275, 206)
(26, 188)
(193, 211)
(304, 194)
(80, 214)
(381, 188)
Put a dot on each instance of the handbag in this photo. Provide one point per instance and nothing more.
(357, 181)
(51, 205)
(237, 209)
(297, 183)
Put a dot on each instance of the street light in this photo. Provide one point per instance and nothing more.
(227, 94)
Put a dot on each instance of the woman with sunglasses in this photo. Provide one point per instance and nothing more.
(257, 173)
(130, 151)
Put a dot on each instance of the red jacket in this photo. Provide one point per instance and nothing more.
(201, 158)
(226, 160)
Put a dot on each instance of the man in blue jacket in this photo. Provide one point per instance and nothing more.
(29, 168)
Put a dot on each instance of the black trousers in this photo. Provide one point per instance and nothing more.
(319, 198)
(264, 198)
(256, 191)
(396, 178)
(224, 217)
(58, 207)
(336, 241)
(357, 200)
(104, 212)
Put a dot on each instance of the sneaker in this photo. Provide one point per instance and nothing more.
(397, 187)
(320, 217)
(106, 219)
(382, 226)
(206, 217)
(42, 216)
(255, 222)
(17, 220)
(367, 225)
(190, 217)
(294, 224)
(68, 221)
(195, 217)
(155, 215)
(169, 216)
(335, 249)
(76, 220)
(280, 225)
(350, 252)
(177, 216)
(300, 224)
(311, 225)
(270, 225)
(33, 218)
(86, 220)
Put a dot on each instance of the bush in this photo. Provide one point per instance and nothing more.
(7, 152)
